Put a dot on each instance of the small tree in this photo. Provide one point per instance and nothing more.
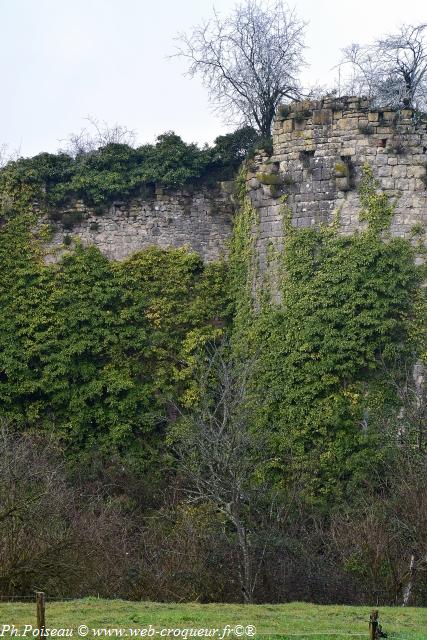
(392, 70)
(249, 61)
(219, 456)
(35, 508)
(100, 135)
(7, 155)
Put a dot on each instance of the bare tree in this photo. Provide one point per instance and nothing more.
(100, 135)
(6, 155)
(392, 70)
(217, 452)
(35, 503)
(383, 539)
(62, 536)
(249, 61)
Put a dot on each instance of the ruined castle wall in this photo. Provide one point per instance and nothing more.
(319, 149)
(200, 219)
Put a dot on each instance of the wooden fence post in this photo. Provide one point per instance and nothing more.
(373, 624)
(40, 604)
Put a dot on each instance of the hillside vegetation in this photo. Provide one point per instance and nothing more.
(170, 431)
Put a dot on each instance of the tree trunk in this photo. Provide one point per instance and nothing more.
(407, 591)
(246, 565)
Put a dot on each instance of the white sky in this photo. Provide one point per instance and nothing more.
(61, 60)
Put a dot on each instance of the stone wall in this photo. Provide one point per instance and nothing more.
(200, 219)
(319, 149)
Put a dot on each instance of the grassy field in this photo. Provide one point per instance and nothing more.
(301, 620)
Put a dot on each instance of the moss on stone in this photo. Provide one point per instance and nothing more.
(283, 111)
(341, 170)
(269, 178)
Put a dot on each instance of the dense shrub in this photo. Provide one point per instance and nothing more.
(94, 351)
(117, 171)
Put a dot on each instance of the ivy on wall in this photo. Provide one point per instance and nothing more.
(98, 352)
(101, 353)
(348, 308)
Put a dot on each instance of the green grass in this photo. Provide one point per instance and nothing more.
(303, 620)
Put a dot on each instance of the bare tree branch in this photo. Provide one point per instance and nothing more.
(219, 456)
(392, 70)
(100, 135)
(249, 61)
(6, 155)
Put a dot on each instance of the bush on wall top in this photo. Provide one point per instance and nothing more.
(117, 171)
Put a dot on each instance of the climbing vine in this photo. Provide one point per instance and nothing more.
(242, 265)
(377, 210)
(347, 307)
(98, 352)
(102, 353)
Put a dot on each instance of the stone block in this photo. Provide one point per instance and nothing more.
(348, 151)
(399, 171)
(385, 171)
(322, 116)
(342, 184)
(402, 184)
(388, 183)
(254, 183)
(417, 172)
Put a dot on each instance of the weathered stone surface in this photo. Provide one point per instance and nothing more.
(343, 134)
(311, 157)
(322, 116)
(201, 220)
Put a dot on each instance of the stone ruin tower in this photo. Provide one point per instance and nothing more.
(319, 150)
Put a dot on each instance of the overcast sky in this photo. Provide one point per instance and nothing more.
(62, 60)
